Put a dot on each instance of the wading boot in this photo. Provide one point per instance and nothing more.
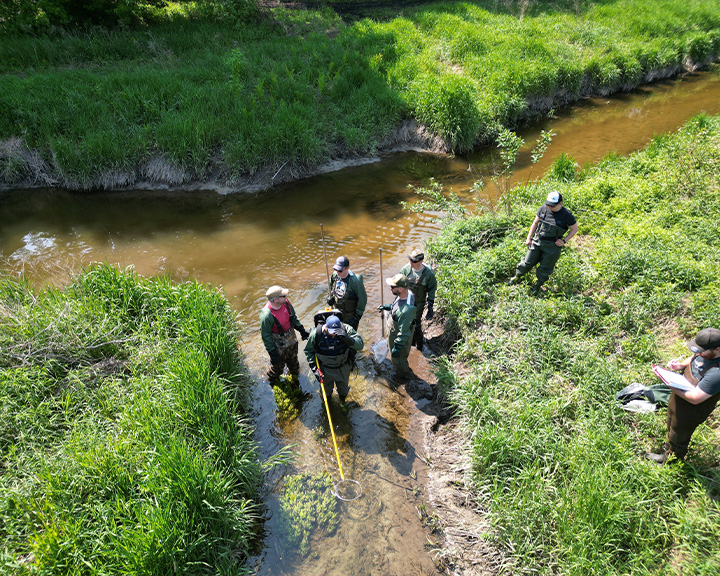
(514, 280)
(661, 458)
(344, 405)
(536, 289)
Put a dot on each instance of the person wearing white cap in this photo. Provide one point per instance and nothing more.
(400, 323)
(689, 408)
(422, 283)
(330, 344)
(547, 235)
(278, 323)
(347, 292)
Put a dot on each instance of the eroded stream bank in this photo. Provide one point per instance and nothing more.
(246, 243)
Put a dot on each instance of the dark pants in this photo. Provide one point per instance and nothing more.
(418, 339)
(547, 253)
(683, 418)
(289, 358)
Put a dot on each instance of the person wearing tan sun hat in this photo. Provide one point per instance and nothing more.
(400, 323)
(278, 323)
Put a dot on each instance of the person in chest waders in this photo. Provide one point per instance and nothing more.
(423, 285)
(546, 239)
(347, 292)
(278, 323)
(690, 408)
(400, 324)
(330, 344)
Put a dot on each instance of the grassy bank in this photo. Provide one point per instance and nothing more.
(555, 461)
(199, 99)
(123, 447)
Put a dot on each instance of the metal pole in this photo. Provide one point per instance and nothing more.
(327, 268)
(382, 298)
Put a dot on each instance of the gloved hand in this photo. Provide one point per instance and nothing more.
(429, 314)
(304, 334)
(316, 372)
(385, 307)
(331, 301)
(341, 332)
(356, 319)
(395, 352)
(275, 356)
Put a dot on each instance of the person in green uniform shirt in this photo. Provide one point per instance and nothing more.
(423, 285)
(278, 323)
(330, 345)
(546, 239)
(347, 292)
(400, 323)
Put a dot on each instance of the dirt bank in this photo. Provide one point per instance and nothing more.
(22, 167)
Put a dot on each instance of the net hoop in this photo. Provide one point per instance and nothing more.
(347, 490)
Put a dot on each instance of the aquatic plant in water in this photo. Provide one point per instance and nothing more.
(306, 506)
(287, 398)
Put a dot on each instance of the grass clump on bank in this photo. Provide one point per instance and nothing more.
(197, 98)
(123, 443)
(555, 461)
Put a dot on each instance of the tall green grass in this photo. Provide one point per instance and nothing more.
(123, 439)
(556, 462)
(218, 99)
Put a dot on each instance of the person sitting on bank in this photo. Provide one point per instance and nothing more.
(688, 409)
(423, 284)
(278, 323)
(546, 239)
(330, 345)
(400, 324)
(347, 292)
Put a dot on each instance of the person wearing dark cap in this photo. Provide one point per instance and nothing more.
(400, 323)
(690, 408)
(278, 323)
(330, 344)
(547, 236)
(423, 284)
(347, 292)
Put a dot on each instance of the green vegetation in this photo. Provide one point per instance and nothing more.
(308, 505)
(123, 444)
(555, 461)
(196, 96)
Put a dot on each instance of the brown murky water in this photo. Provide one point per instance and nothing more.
(248, 242)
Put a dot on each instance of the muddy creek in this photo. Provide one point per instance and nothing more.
(247, 242)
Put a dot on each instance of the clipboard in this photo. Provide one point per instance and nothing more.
(672, 379)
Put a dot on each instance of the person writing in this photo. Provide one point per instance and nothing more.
(688, 409)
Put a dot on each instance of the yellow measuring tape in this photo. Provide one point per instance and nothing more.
(327, 408)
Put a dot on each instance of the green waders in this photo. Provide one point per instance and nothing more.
(401, 362)
(543, 250)
(287, 347)
(420, 290)
(336, 373)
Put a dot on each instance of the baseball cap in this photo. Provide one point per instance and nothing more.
(554, 198)
(275, 292)
(705, 340)
(340, 263)
(416, 255)
(398, 280)
(333, 325)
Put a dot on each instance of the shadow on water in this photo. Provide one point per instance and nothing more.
(247, 242)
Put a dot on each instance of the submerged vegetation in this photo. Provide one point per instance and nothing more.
(555, 461)
(198, 95)
(123, 443)
(307, 506)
